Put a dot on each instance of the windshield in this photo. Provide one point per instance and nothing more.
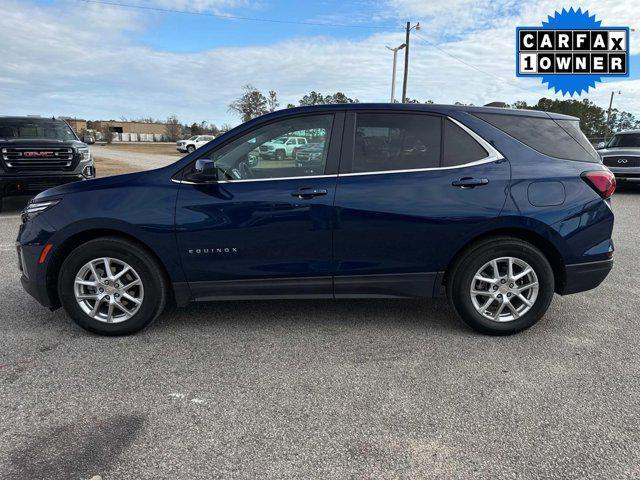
(194, 137)
(625, 140)
(279, 140)
(35, 128)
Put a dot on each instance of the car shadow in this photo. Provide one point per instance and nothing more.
(406, 314)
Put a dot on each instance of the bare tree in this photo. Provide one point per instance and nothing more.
(251, 104)
(105, 130)
(272, 101)
(173, 128)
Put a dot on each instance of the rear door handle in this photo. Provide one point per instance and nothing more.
(469, 182)
(309, 192)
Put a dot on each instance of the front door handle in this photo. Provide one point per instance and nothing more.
(469, 182)
(309, 192)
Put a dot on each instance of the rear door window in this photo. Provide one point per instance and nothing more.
(459, 147)
(386, 142)
(556, 138)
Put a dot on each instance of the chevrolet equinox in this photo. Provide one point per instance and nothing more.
(497, 208)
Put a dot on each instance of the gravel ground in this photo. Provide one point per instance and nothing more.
(325, 389)
(136, 156)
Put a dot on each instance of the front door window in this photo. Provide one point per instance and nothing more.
(267, 151)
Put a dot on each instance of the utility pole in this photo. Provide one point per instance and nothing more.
(393, 74)
(609, 112)
(406, 59)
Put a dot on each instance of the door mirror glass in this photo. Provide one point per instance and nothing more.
(203, 170)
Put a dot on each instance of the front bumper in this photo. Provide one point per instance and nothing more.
(31, 184)
(268, 155)
(581, 277)
(33, 279)
(629, 174)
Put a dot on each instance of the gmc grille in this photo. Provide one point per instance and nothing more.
(621, 161)
(28, 158)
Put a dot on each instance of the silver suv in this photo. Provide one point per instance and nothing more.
(622, 155)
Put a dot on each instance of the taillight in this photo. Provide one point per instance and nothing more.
(602, 181)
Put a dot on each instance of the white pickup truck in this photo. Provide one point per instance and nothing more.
(281, 148)
(193, 143)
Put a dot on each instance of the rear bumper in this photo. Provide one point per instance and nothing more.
(585, 276)
(29, 184)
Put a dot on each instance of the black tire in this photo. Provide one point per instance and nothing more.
(281, 155)
(191, 149)
(461, 274)
(150, 273)
(1, 204)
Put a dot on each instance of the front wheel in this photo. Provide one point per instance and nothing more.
(191, 149)
(501, 286)
(111, 286)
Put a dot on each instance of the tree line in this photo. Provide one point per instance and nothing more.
(594, 120)
(253, 103)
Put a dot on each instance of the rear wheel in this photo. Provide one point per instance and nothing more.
(111, 286)
(501, 286)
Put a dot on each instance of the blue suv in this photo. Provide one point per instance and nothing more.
(498, 208)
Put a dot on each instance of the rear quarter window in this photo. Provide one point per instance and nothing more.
(459, 147)
(556, 138)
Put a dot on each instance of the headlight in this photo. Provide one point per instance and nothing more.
(85, 154)
(36, 208)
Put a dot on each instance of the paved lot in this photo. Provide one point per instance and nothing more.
(323, 389)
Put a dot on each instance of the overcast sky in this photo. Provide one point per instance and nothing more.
(69, 57)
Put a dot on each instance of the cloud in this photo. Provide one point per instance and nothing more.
(88, 62)
(212, 6)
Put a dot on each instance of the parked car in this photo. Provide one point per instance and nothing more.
(622, 155)
(40, 153)
(496, 208)
(281, 148)
(310, 156)
(193, 143)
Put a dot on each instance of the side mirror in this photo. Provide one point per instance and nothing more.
(600, 146)
(204, 170)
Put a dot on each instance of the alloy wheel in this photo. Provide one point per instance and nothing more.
(108, 290)
(504, 289)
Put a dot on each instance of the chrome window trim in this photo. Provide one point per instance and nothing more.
(493, 155)
(255, 179)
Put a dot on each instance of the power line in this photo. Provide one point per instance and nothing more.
(437, 47)
(236, 17)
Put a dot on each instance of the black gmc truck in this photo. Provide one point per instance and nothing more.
(40, 153)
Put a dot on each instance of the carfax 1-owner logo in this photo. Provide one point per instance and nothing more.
(572, 51)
